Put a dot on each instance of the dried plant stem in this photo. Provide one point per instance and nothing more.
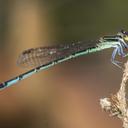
(116, 104)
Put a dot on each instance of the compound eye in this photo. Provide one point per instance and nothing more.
(126, 33)
(123, 32)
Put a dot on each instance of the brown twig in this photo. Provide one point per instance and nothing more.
(116, 104)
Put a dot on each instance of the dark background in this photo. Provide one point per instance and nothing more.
(66, 95)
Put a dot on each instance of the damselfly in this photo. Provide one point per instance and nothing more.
(44, 57)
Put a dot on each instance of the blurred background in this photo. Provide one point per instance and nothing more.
(66, 95)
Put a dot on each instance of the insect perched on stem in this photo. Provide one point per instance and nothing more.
(44, 57)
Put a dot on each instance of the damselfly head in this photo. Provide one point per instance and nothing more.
(123, 34)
